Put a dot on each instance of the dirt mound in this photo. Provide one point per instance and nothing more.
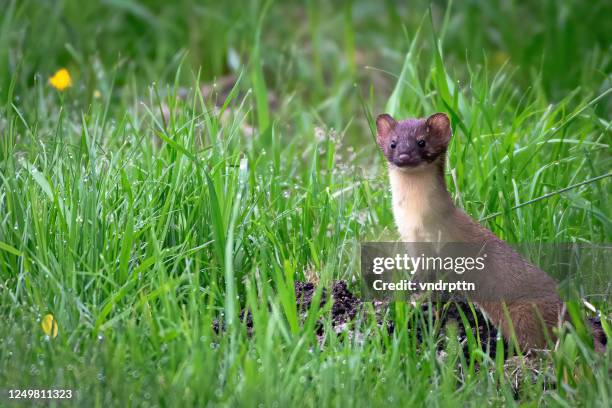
(347, 307)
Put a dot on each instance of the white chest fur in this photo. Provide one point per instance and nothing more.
(421, 206)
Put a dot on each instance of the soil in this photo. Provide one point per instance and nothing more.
(347, 308)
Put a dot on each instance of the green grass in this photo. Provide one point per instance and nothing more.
(137, 229)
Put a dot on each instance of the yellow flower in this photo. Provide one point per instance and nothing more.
(500, 58)
(61, 80)
(49, 325)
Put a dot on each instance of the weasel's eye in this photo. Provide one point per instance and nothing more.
(421, 143)
(393, 144)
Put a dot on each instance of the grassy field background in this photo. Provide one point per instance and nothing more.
(143, 203)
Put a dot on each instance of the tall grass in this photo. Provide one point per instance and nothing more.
(140, 217)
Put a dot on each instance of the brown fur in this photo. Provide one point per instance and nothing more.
(518, 297)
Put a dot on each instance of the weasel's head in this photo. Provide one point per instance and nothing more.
(413, 143)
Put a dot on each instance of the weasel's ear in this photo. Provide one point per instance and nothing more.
(438, 126)
(384, 126)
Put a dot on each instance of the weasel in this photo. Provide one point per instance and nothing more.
(520, 299)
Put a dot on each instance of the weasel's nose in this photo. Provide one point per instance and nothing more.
(403, 157)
